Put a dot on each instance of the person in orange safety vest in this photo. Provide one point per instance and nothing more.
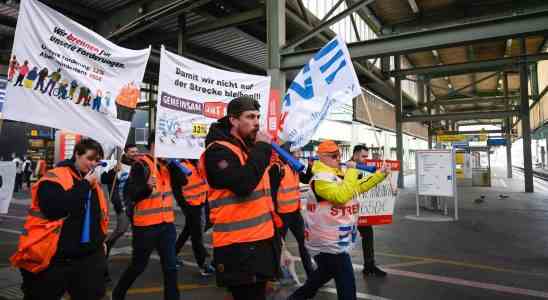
(152, 186)
(192, 205)
(62, 248)
(236, 162)
(287, 197)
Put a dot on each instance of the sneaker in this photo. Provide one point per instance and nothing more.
(375, 271)
(207, 270)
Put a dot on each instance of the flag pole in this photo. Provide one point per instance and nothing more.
(377, 138)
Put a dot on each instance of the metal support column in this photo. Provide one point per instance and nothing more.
(429, 112)
(151, 112)
(508, 128)
(534, 82)
(275, 39)
(399, 129)
(525, 122)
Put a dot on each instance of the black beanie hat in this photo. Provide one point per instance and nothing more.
(241, 104)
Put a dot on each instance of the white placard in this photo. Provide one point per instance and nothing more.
(191, 96)
(435, 173)
(7, 183)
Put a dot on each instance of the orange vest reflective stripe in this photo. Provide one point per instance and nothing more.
(289, 195)
(38, 241)
(158, 208)
(195, 191)
(238, 219)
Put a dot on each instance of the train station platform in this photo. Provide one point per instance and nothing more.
(497, 250)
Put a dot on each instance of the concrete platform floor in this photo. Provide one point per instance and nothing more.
(497, 250)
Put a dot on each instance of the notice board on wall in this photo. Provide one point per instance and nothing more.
(435, 173)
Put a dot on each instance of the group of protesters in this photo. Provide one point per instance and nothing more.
(240, 188)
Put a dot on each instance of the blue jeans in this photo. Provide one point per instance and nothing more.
(145, 239)
(330, 266)
(96, 104)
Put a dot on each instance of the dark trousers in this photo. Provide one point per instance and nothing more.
(330, 266)
(124, 113)
(82, 278)
(27, 179)
(122, 225)
(193, 229)
(18, 182)
(19, 81)
(254, 291)
(145, 239)
(366, 232)
(51, 84)
(294, 222)
(40, 84)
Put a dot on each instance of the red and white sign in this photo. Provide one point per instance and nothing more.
(273, 114)
(377, 205)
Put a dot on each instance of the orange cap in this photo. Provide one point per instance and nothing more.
(328, 146)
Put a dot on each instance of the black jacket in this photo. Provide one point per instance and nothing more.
(116, 198)
(56, 203)
(242, 263)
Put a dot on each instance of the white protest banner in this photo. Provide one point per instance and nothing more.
(68, 77)
(377, 205)
(191, 96)
(7, 183)
(328, 79)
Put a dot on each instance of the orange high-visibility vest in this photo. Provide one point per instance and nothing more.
(38, 242)
(158, 207)
(128, 97)
(42, 168)
(195, 191)
(238, 219)
(289, 195)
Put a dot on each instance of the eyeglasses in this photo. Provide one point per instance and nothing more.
(333, 155)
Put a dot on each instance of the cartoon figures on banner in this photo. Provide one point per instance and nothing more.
(23, 71)
(62, 93)
(42, 75)
(188, 132)
(13, 67)
(31, 76)
(126, 101)
(63, 88)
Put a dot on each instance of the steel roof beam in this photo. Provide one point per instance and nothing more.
(73, 8)
(154, 17)
(212, 58)
(325, 25)
(243, 18)
(525, 24)
(474, 131)
(462, 116)
(465, 101)
(501, 64)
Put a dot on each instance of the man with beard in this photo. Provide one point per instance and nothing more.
(236, 164)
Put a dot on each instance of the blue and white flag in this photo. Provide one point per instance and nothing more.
(328, 79)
